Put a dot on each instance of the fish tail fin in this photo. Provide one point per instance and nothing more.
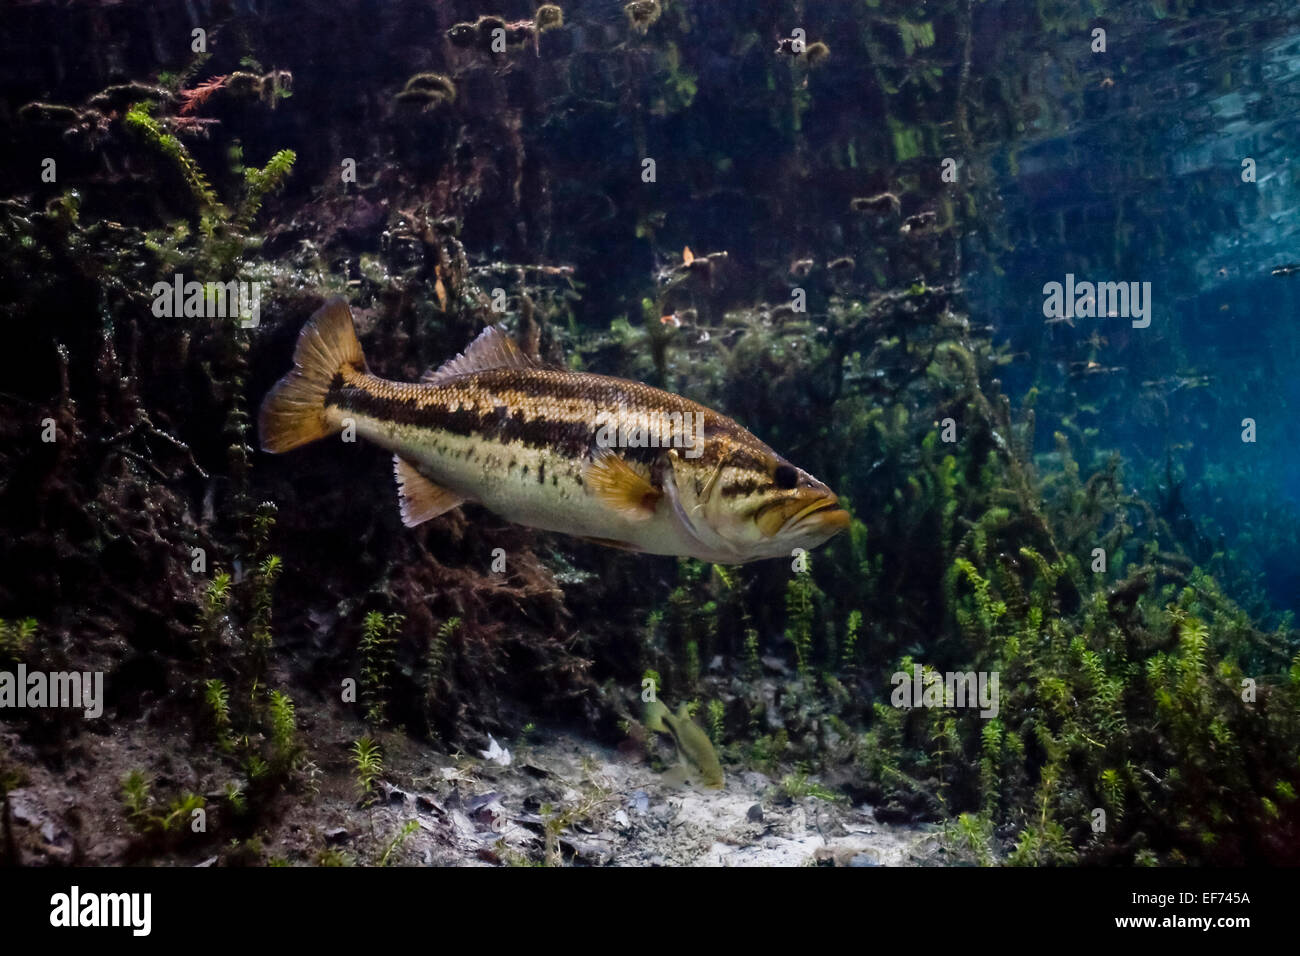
(655, 712)
(293, 412)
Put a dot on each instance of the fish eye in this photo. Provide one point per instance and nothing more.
(785, 477)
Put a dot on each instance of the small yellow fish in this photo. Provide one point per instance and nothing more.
(698, 761)
(687, 256)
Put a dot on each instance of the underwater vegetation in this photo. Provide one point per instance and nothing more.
(273, 638)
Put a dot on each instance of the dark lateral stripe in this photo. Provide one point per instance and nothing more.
(572, 439)
(526, 395)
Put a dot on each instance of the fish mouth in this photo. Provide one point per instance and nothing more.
(822, 514)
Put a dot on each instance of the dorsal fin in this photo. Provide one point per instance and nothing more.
(492, 349)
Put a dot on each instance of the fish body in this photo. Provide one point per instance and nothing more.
(605, 458)
(693, 746)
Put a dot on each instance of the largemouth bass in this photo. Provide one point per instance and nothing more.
(608, 459)
(697, 759)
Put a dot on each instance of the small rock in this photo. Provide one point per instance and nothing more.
(622, 819)
(23, 808)
(496, 753)
(640, 802)
(474, 804)
(861, 859)
(337, 836)
(426, 805)
(754, 814)
(107, 852)
(489, 815)
(462, 824)
(666, 810)
(589, 852)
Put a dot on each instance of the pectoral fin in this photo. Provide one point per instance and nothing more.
(619, 486)
(419, 498)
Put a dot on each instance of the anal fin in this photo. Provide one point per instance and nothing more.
(419, 498)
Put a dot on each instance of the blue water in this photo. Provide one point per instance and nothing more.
(1133, 170)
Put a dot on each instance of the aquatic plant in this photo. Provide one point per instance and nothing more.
(140, 119)
(797, 785)
(801, 594)
(16, 638)
(260, 183)
(816, 53)
(217, 696)
(368, 764)
(152, 820)
(259, 628)
(196, 96)
(427, 90)
(284, 726)
(135, 795)
(403, 834)
(717, 721)
(549, 16)
(378, 642)
(643, 14)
